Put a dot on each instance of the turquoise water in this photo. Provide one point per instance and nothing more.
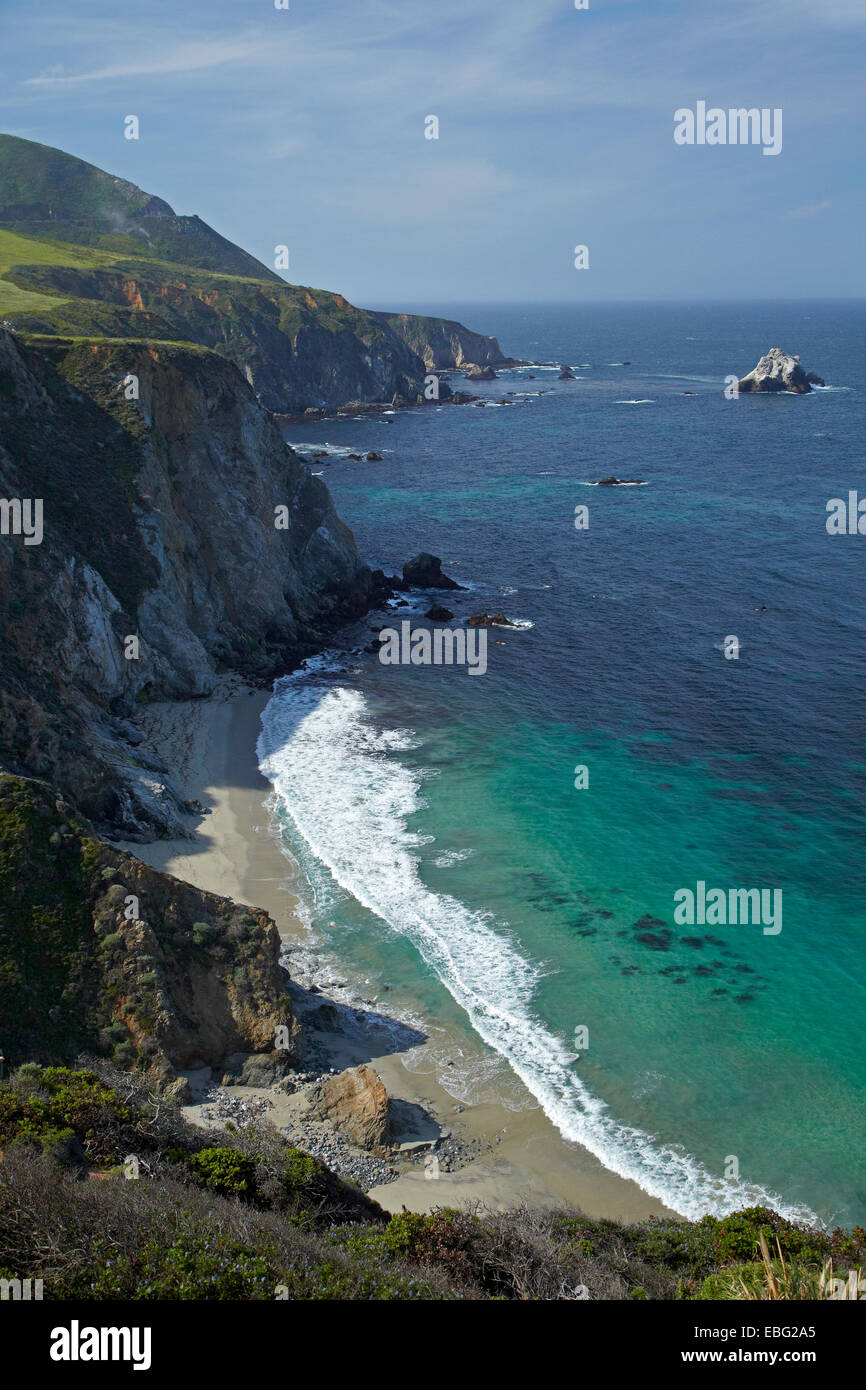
(435, 814)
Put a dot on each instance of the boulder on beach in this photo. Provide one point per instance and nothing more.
(425, 572)
(356, 1103)
(779, 371)
(489, 620)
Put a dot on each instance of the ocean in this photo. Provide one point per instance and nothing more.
(445, 849)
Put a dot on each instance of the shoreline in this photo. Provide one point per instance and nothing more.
(209, 746)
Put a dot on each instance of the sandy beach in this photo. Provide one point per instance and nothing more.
(209, 748)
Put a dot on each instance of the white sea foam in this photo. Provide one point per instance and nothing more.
(452, 856)
(349, 796)
(644, 401)
(335, 450)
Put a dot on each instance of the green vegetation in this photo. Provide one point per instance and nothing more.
(46, 958)
(86, 255)
(243, 1215)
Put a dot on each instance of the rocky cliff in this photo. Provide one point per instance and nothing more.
(181, 537)
(444, 342)
(102, 954)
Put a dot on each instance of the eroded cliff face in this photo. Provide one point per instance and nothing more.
(103, 954)
(180, 537)
(444, 342)
(298, 348)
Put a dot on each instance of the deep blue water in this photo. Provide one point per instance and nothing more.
(435, 813)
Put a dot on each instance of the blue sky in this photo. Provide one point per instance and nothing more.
(306, 127)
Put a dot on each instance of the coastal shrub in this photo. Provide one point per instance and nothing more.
(112, 940)
(737, 1237)
(685, 1246)
(58, 1098)
(225, 1170)
(196, 1265)
(205, 933)
(301, 1173)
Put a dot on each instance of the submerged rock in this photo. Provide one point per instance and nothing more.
(566, 374)
(779, 371)
(489, 620)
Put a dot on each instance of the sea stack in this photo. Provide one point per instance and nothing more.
(780, 371)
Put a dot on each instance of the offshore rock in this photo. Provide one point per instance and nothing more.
(779, 371)
(425, 572)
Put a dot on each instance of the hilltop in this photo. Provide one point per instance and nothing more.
(86, 254)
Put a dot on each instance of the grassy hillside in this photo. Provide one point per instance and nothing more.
(45, 192)
(85, 254)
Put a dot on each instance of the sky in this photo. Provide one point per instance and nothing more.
(305, 127)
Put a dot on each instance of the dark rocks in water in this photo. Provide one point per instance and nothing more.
(438, 614)
(703, 970)
(462, 398)
(480, 373)
(690, 393)
(618, 482)
(779, 371)
(566, 374)
(425, 572)
(656, 941)
(489, 620)
(693, 941)
(373, 457)
(626, 364)
(356, 457)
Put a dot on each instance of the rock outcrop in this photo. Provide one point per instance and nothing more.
(103, 954)
(779, 371)
(446, 343)
(425, 572)
(356, 1103)
(489, 620)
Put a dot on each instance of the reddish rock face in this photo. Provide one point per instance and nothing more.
(356, 1102)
